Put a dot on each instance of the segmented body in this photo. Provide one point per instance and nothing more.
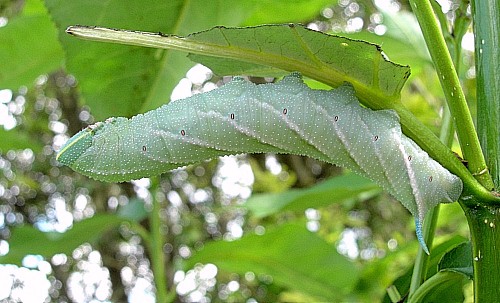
(287, 117)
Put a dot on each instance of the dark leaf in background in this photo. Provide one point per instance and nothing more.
(295, 258)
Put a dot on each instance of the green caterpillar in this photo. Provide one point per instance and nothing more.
(286, 117)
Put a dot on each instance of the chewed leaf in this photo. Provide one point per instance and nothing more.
(287, 117)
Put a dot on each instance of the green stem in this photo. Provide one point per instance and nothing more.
(447, 127)
(157, 256)
(394, 294)
(487, 39)
(485, 236)
(482, 217)
(452, 91)
(483, 220)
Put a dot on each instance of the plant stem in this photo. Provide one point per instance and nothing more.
(452, 91)
(394, 294)
(157, 256)
(483, 218)
(485, 235)
(487, 44)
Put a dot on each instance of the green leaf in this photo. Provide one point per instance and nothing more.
(295, 258)
(27, 240)
(459, 259)
(402, 283)
(296, 48)
(334, 190)
(15, 139)
(123, 81)
(443, 287)
(30, 48)
(329, 59)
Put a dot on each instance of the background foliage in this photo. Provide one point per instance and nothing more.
(309, 232)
